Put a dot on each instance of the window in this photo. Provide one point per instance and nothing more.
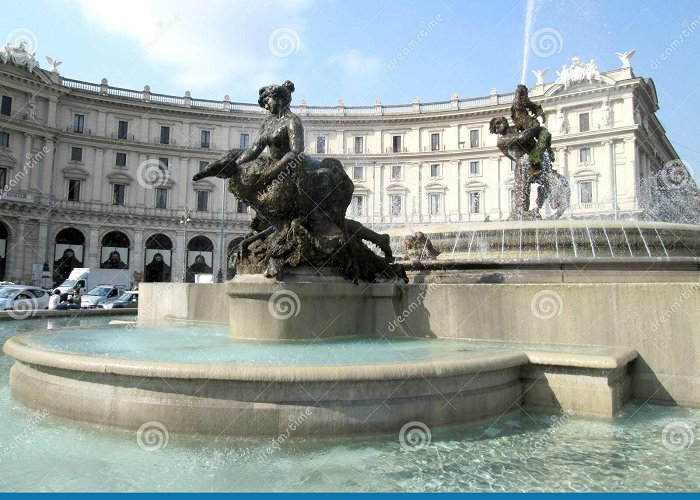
(202, 201)
(475, 202)
(205, 140)
(241, 207)
(584, 122)
(3, 177)
(320, 145)
(434, 142)
(203, 164)
(473, 138)
(165, 135)
(76, 154)
(119, 194)
(4, 140)
(585, 192)
(512, 165)
(6, 107)
(396, 144)
(435, 170)
(357, 207)
(512, 199)
(359, 145)
(474, 168)
(584, 155)
(78, 124)
(435, 203)
(73, 190)
(161, 198)
(395, 204)
(121, 160)
(244, 141)
(163, 163)
(122, 129)
(358, 173)
(396, 172)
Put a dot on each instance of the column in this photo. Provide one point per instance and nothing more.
(145, 132)
(460, 187)
(101, 124)
(184, 184)
(98, 176)
(178, 270)
(563, 160)
(610, 173)
(20, 249)
(51, 118)
(24, 163)
(137, 252)
(46, 164)
(93, 259)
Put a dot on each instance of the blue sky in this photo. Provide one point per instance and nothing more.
(335, 49)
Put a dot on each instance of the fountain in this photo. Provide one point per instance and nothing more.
(486, 318)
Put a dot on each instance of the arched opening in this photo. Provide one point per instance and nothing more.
(115, 251)
(230, 268)
(3, 250)
(200, 253)
(158, 268)
(69, 253)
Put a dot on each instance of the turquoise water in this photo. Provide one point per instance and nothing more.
(644, 448)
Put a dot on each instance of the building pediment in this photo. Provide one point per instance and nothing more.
(471, 185)
(119, 178)
(396, 188)
(7, 160)
(435, 187)
(75, 172)
(585, 173)
(203, 185)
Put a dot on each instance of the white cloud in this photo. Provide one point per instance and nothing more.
(204, 46)
(353, 62)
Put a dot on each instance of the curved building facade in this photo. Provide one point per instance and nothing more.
(89, 169)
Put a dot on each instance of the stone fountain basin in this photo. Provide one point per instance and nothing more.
(315, 399)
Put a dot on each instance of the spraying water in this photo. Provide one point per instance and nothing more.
(532, 8)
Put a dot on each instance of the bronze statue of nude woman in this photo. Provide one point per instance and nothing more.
(300, 202)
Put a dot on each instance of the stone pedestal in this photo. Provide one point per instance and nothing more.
(307, 307)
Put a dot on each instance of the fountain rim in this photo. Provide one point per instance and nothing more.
(464, 226)
(605, 358)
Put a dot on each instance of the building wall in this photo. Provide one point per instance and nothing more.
(631, 145)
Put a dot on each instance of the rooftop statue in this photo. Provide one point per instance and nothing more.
(300, 203)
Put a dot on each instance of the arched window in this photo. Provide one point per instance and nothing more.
(158, 260)
(69, 253)
(115, 250)
(200, 254)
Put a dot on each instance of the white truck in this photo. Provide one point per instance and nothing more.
(90, 278)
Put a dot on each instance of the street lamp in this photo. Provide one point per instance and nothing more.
(185, 219)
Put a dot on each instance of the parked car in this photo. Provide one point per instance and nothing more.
(23, 297)
(128, 300)
(101, 294)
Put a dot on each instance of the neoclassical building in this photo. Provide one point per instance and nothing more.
(96, 169)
